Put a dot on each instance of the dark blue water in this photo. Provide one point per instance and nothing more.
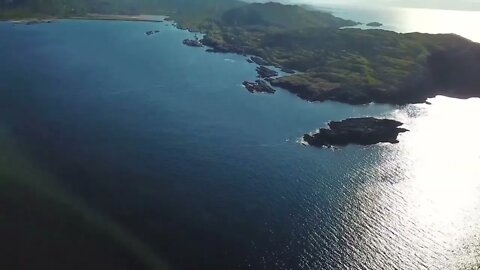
(163, 140)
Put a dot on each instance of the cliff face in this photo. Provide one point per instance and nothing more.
(456, 72)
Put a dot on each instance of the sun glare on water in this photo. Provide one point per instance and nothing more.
(416, 204)
(464, 23)
(441, 186)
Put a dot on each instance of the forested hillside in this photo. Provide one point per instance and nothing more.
(63, 8)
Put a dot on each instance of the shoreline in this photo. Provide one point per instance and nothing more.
(417, 88)
(99, 17)
(366, 95)
(126, 18)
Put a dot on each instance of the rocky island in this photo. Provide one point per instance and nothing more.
(361, 131)
(374, 24)
(152, 32)
(264, 72)
(257, 60)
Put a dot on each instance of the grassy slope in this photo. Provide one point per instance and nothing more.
(278, 15)
(359, 62)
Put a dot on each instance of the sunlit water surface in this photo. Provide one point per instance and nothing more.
(419, 207)
(164, 140)
(406, 20)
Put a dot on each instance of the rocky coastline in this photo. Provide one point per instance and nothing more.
(386, 67)
(264, 72)
(192, 43)
(360, 131)
(259, 61)
(439, 76)
(152, 32)
(32, 21)
(259, 86)
(339, 70)
(374, 24)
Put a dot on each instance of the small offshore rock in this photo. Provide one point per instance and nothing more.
(259, 61)
(264, 72)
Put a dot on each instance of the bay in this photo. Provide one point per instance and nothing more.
(167, 160)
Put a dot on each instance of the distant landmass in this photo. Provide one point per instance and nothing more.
(61, 8)
(335, 63)
(374, 24)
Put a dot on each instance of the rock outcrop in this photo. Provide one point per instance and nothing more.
(192, 43)
(152, 32)
(259, 86)
(361, 131)
(374, 24)
(264, 72)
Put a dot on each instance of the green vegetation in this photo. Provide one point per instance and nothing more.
(278, 15)
(330, 56)
(198, 9)
(374, 24)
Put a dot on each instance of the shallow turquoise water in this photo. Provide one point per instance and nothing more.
(165, 141)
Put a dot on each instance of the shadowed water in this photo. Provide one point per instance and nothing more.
(161, 143)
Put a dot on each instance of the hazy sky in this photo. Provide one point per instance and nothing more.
(441, 4)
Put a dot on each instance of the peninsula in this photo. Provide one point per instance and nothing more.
(347, 65)
(259, 86)
(332, 62)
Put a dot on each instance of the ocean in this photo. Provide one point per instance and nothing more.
(407, 20)
(127, 151)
